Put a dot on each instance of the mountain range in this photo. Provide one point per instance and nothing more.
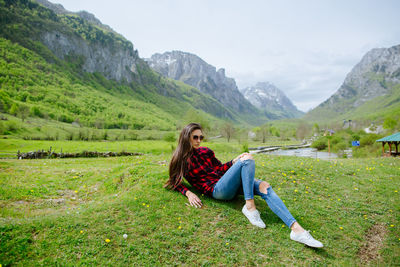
(83, 57)
(194, 71)
(81, 41)
(68, 66)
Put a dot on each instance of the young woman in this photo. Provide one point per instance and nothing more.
(224, 181)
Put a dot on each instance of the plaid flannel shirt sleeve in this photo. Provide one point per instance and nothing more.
(181, 188)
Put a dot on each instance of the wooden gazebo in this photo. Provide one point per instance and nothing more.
(393, 139)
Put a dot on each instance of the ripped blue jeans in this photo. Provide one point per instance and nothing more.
(240, 179)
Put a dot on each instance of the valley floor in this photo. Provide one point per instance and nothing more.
(76, 212)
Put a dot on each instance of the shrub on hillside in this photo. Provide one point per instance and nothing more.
(70, 136)
(5, 101)
(133, 136)
(2, 128)
(374, 150)
(336, 139)
(245, 147)
(369, 139)
(65, 118)
(355, 137)
(137, 126)
(341, 146)
(169, 137)
(83, 135)
(104, 136)
(35, 111)
(12, 127)
(14, 109)
(320, 143)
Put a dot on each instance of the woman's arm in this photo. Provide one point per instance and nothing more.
(194, 200)
(181, 188)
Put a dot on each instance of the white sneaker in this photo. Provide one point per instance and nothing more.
(306, 238)
(254, 217)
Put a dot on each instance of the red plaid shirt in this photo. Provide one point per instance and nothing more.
(204, 171)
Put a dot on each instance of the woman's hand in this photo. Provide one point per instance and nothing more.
(242, 157)
(246, 156)
(194, 200)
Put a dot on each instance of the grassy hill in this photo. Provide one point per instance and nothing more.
(80, 217)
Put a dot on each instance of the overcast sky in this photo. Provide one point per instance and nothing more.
(306, 48)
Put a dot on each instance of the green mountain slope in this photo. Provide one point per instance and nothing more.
(29, 84)
(379, 107)
(371, 91)
(49, 83)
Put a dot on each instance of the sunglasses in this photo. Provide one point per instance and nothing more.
(196, 137)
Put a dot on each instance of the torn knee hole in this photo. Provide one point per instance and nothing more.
(263, 187)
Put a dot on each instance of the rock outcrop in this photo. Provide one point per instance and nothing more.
(117, 64)
(97, 49)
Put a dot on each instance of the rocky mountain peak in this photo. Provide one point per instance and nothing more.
(59, 9)
(370, 78)
(194, 71)
(268, 97)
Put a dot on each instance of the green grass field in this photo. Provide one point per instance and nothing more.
(76, 211)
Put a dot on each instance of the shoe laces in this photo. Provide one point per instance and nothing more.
(308, 235)
(256, 215)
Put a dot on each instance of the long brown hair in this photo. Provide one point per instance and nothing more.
(179, 163)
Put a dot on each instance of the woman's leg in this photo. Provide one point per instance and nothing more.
(266, 192)
(240, 174)
(297, 234)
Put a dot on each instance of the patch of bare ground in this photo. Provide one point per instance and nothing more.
(374, 238)
(216, 219)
